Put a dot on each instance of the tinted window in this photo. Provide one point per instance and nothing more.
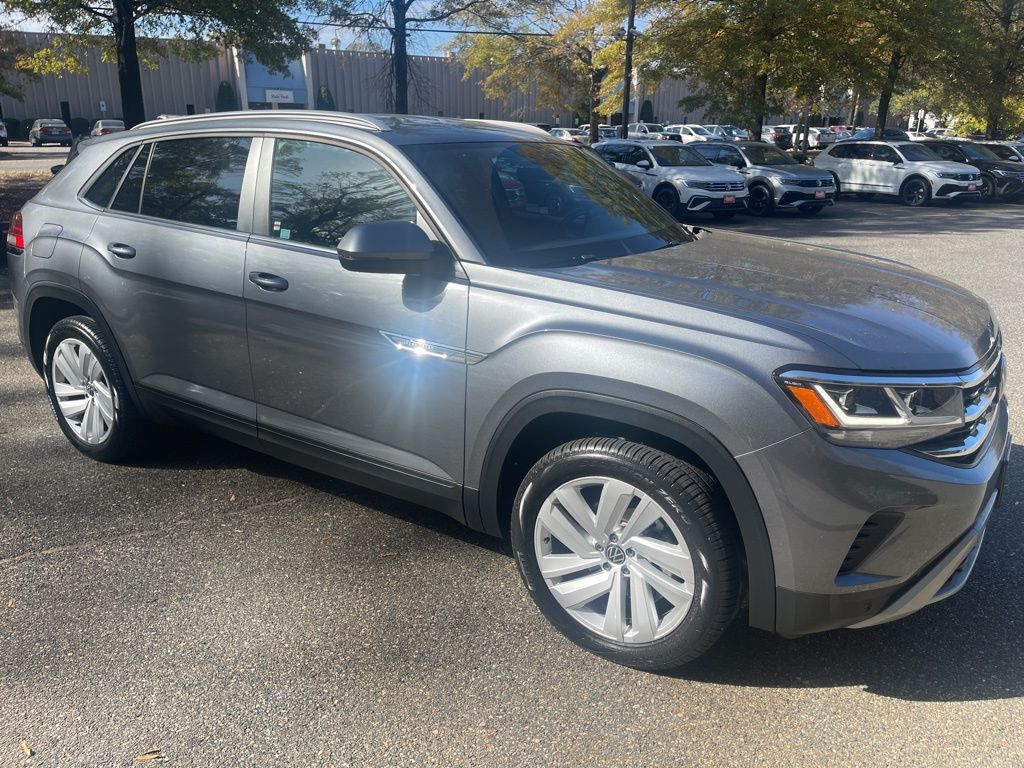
(1002, 151)
(767, 154)
(946, 152)
(318, 192)
(916, 152)
(884, 154)
(611, 152)
(197, 181)
(709, 152)
(543, 204)
(978, 152)
(127, 199)
(677, 156)
(103, 188)
(840, 150)
(730, 156)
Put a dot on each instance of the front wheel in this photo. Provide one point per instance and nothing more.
(988, 188)
(915, 192)
(87, 391)
(628, 551)
(761, 201)
(668, 199)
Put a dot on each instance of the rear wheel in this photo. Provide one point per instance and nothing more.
(87, 391)
(629, 552)
(668, 199)
(915, 192)
(761, 201)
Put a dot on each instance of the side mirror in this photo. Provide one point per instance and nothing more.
(393, 247)
(645, 164)
(55, 169)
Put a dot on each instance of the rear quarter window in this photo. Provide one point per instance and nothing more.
(102, 190)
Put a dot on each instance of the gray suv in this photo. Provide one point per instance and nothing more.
(671, 424)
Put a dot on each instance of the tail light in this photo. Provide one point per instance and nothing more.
(104, 131)
(16, 234)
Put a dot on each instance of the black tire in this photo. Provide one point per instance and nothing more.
(122, 439)
(761, 201)
(915, 192)
(865, 196)
(724, 215)
(810, 210)
(988, 189)
(835, 178)
(668, 199)
(696, 506)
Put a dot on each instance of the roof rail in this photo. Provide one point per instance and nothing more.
(511, 124)
(366, 122)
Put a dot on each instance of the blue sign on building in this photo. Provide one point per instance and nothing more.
(264, 89)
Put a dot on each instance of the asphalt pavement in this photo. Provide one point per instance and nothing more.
(20, 156)
(230, 610)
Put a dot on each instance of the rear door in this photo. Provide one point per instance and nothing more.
(886, 177)
(366, 371)
(165, 261)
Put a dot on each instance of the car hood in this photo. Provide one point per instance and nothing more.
(999, 165)
(792, 171)
(879, 314)
(699, 173)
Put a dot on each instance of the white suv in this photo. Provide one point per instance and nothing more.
(914, 173)
(690, 133)
(679, 179)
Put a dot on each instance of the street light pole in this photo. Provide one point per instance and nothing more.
(628, 79)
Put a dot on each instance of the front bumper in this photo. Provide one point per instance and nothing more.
(818, 499)
(952, 189)
(704, 203)
(793, 198)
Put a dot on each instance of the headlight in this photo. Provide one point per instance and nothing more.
(879, 412)
(787, 181)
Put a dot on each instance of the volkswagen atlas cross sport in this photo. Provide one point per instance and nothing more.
(669, 423)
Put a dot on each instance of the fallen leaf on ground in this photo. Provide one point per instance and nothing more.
(231, 497)
(148, 757)
(26, 749)
(389, 554)
(10, 602)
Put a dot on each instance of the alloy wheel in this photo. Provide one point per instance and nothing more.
(614, 560)
(915, 192)
(83, 391)
(760, 203)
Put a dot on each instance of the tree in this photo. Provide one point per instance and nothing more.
(266, 29)
(11, 53)
(553, 45)
(398, 19)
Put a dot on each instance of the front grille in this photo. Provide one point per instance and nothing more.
(982, 393)
(814, 182)
(717, 186)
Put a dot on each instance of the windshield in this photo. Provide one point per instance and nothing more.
(916, 153)
(767, 155)
(1004, 152)
(676, 157)
(544, 204)
(978, 152)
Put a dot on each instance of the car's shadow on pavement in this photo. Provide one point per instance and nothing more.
(969, 647)
(966, 648)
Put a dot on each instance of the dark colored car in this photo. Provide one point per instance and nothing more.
(999, 178)
(671, 425)
(49, 132)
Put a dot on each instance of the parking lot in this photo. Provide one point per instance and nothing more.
(228, 609)
(19, 157)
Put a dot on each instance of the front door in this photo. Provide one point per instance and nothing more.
(165, 262)
(364, 371)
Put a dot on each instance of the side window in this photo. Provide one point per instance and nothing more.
(632, 154)
(885, 154)
(103, 188)
(946, 152)
(730, 156)
(196, 181)
(840, 151)
(318, 192)
(860, 152)
(612, 152)
(708, 153)
(127, 199)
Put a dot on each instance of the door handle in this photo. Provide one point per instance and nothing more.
(268, 282)
(121, 250)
